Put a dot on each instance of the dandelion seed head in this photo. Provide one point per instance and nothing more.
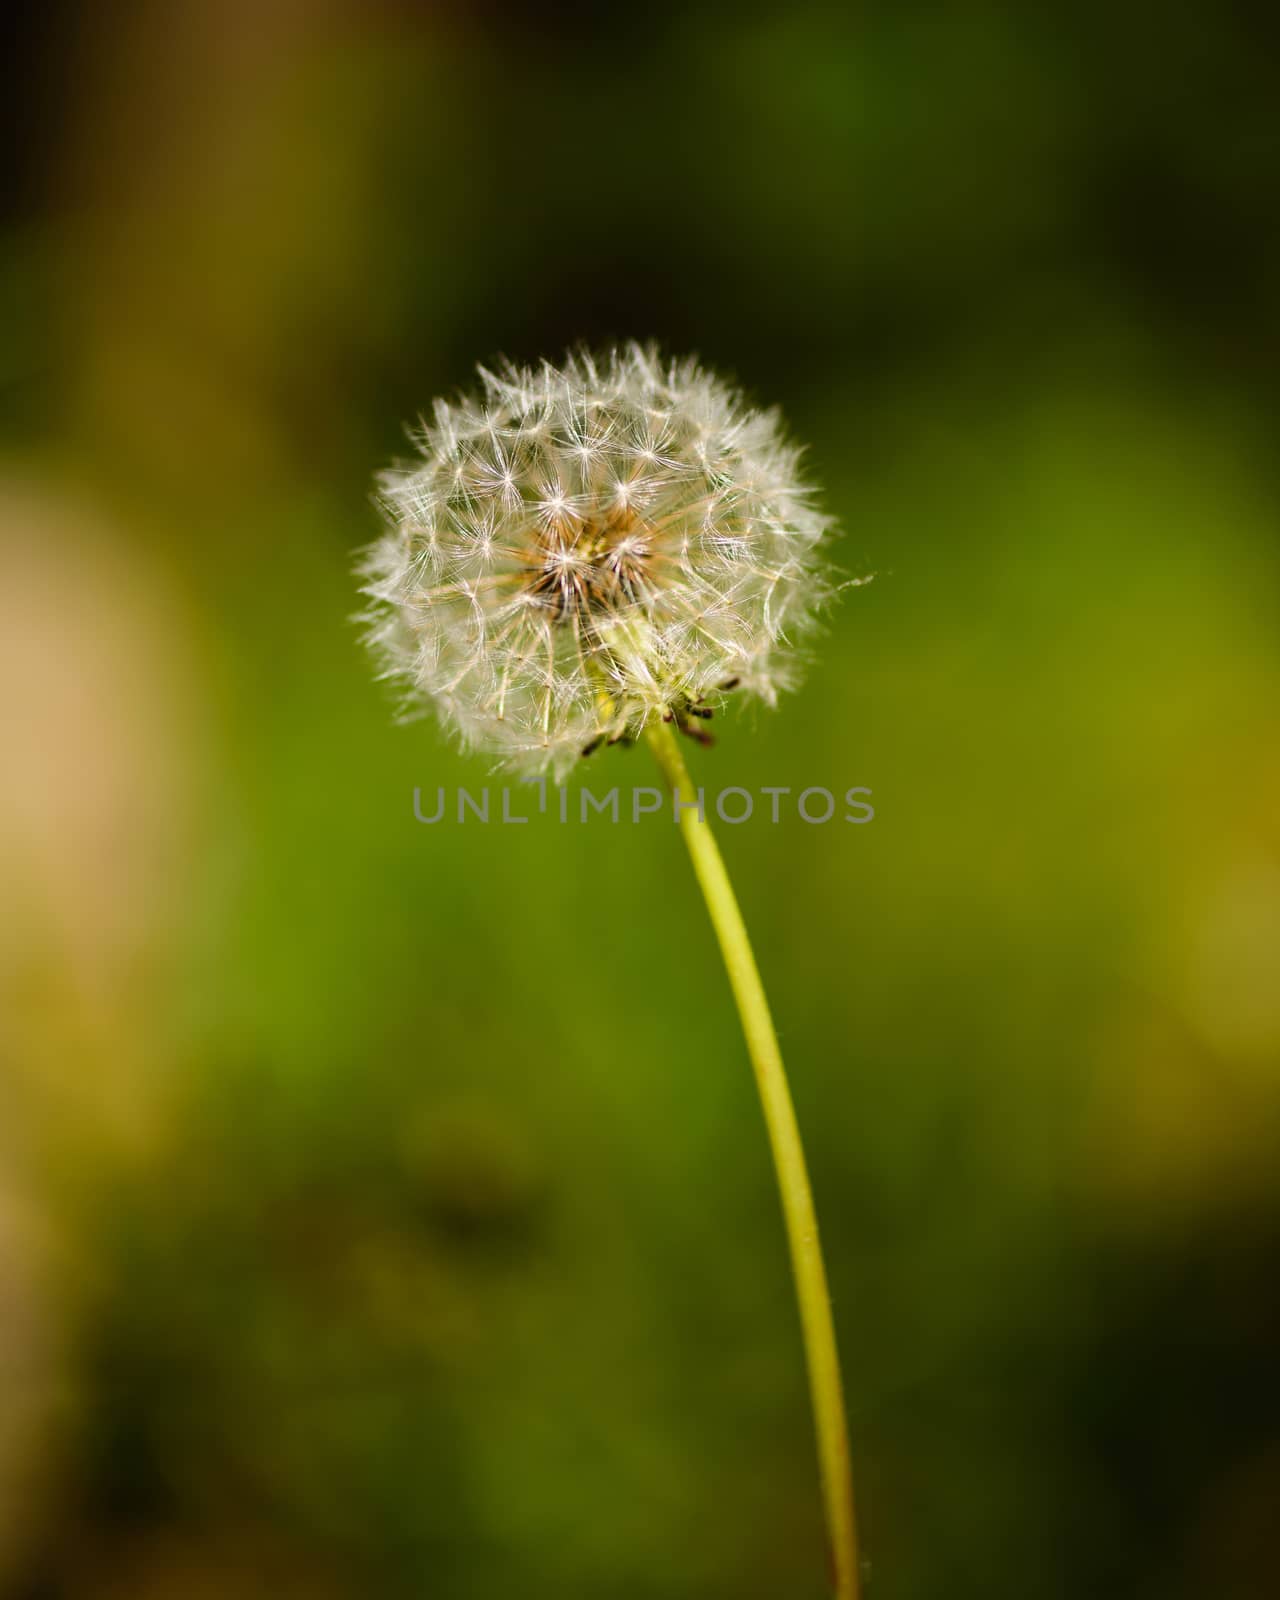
(577, 551)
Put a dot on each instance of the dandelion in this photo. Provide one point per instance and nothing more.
(596, 552)
(580, 552)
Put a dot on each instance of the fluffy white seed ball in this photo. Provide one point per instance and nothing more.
(582, 549)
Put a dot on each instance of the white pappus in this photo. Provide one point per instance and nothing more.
(579, 550)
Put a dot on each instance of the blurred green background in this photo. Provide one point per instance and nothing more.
(385, 1211)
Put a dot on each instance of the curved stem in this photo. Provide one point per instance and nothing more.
(788, 1155)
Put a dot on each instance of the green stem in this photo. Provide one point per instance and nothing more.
(788, 1155)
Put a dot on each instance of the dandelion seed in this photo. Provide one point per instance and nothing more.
(581, 551)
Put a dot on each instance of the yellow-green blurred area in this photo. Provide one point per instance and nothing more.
(385, 1210)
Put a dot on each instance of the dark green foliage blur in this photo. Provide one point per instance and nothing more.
(385, 1210)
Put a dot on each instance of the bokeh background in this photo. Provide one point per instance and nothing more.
(385, 1211)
